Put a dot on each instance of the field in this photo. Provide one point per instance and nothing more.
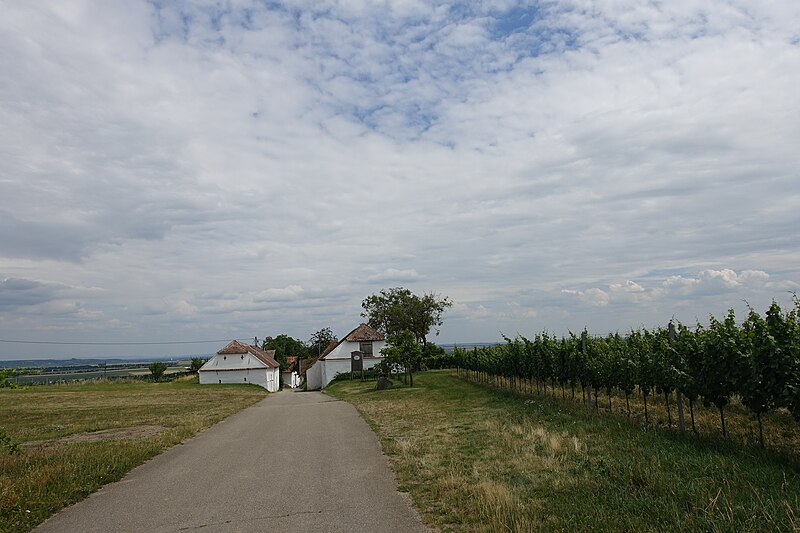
(69, 440)
(86, 369)
(109, 373)
(474, 458)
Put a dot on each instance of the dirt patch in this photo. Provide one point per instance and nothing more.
(134, 432)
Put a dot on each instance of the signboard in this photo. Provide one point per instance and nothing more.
(356, 361)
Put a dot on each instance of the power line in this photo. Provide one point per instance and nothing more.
(114, 343)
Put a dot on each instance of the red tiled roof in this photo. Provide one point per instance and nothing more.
(328, 349)
(265, 356)
(364, 333)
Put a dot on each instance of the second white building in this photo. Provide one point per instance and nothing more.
(361, 348)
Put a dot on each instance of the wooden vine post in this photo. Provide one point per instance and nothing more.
(583, 354)
(678, 395)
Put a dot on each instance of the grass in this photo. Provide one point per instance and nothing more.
(48, 472)
(781, 431)
(474, 458)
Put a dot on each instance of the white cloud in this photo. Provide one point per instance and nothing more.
(641, 155)
(593, 296)
(292, 292)
(394, 275)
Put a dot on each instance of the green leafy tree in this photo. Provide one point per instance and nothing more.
(319, 341)
(157, 369)
(10, 376)
(197, 362)
(435, 357)
(397, 309)
(403, 350)
(284, 346)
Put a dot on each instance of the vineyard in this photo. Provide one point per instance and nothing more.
(756, 362)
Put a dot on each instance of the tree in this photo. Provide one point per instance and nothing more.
(284, 346)
(404, 351)
(397, 309)
(197, 362)
(157, 369)
(9, 374)
(319, 341)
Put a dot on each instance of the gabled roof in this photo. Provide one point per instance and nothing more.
(362, 333)
(265, 356)
(328, 349)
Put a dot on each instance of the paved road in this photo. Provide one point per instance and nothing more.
(296, 461)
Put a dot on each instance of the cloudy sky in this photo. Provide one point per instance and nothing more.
(182, 171)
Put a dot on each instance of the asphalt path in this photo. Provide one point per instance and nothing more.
(296, 461)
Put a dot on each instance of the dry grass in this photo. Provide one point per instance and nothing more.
(53, 468)
(478, 459)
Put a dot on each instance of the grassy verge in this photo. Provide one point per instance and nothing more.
(49, 472)
(478, 459)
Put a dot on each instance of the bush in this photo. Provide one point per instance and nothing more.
(157, 370)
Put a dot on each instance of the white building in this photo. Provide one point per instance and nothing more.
(242, 363)
(362, 346)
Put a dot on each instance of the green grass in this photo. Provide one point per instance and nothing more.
(46, 475)
(477, 459)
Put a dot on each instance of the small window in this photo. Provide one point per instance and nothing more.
(224, 357)
(245, 379)
(220, 382)
(242, 357)
(365, 348)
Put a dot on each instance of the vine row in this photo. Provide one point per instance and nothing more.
(757, 360)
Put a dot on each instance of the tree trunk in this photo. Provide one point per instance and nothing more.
(669, 413)
(722, 417)
(646, 419)
(691, 412)
(627, 403)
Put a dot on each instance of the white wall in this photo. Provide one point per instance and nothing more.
(269, 378)
(324, 370)
(314, 376)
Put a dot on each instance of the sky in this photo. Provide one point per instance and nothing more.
(209, 170)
